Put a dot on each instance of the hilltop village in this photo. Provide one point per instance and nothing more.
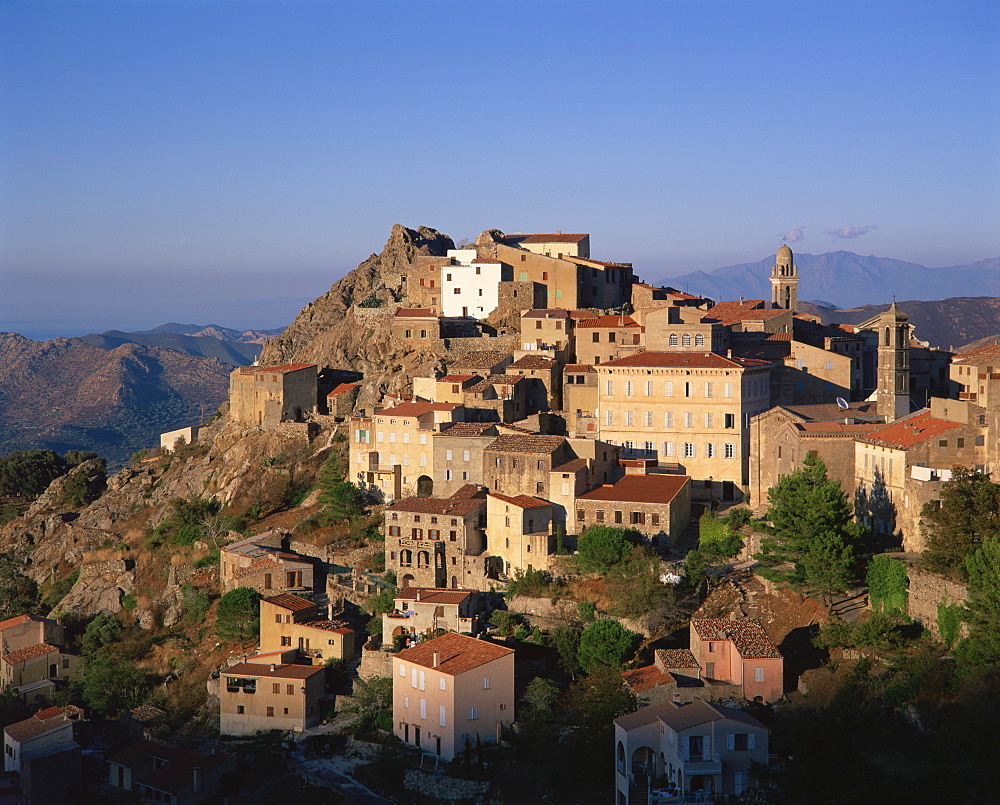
(574, 537)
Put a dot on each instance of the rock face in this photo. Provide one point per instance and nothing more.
(333, 331)
(100, 588)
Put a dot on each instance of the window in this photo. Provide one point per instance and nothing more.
(674, 341)
(628, 419)
(441, 716)
(699, 341)
(290, 690)
(709, 451)
(638, 518)
(688, 420)
(689, 449)
(943, 443)
(740, 742)
(670, 449)
(727, 390)
(668, 419)
(600, 515)
(730, 421)
(611, 337)
(708, 419)
(647, 419)
(628, 388)
(649, 388)
(473, 713)
(688, 389)
(829, 365)
(270, 712)
(286, 640)
(708, 389)
(668, 388)
(443, 683)
(654, 519)
(581, 514)
(447, 475)
(618, 517)
(423, 708)
(596, 338)
(276, 687)
(447, 455)
(467, 455)
(240, 710)
(958, 443)
(486, 683)
(758, 674)
(686, 340)
(609, 387)
(609, 418)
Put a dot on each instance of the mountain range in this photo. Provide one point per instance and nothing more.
(66, 393)
(235, 347)
(846, 280)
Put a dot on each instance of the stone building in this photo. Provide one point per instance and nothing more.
(391, 452)
(683, 328)
(156, 772)
(605, 338)
(647, 299)
(481, 362)
(497, 398)
(458, 455)
(740, 653)
(901, 466)
(549, 331)
(292, 622)
(452, 693)
(657, 505)
(470, 284)
(340, 401)
(264, 563)
(893, 361)
(689, 410)
(264, 396)
(33, 655)
(438, 542)
(782, 437)
(423, 283)
(519, 532)
(542, 382)
(415, 325)
(580, 398)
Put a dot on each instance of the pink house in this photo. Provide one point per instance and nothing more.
(738, 652)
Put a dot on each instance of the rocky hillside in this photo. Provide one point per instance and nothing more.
(66, 394)
(333, 331)
(946, 323)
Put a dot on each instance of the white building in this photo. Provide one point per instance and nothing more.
(470, 287)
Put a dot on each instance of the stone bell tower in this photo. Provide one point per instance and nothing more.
(784, 281)
(893, 367)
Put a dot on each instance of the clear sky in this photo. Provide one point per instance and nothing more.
(225, 162)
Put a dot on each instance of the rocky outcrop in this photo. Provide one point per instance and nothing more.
(100, 588)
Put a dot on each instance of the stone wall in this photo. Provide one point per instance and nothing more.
(445, 789)
(926, 591)
(375, 662)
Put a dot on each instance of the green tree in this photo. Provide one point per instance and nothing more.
(635, 588)
(536, 719)
(74, 458)
(505, 621)
(238, 616)
(980, 651)
(601, 547)
(112, 684)
(340, 499)
(18, 593)
(103, 630)
(963, 518)
(812, 544)
(604, 643)
(598, 699)
(27, 473)
(372, 703)
(566, 641)
(887, 583)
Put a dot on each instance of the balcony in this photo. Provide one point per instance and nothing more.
(706, 763)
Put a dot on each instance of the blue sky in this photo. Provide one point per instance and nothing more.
(227, 161)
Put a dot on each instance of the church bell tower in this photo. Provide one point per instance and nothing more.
(784, 281)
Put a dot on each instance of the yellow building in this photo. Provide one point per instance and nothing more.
(291, 622)
(270, 696)
(689, 410)
(519, 532)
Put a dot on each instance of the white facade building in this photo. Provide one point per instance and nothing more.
(470, 287)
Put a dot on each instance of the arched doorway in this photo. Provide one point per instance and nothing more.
(407, 579)
(425, 486)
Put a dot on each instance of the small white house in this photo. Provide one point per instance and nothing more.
(470, 286)
(168, 441)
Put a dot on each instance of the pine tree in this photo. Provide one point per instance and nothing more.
(980, 651)
(962, 519)
(340, 499)
(812, 545)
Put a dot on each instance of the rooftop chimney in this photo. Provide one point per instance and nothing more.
(418, 595)
(272, 667)
(437, 658)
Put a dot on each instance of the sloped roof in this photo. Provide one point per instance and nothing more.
(480, 359)
(533, 362)
(176, 773)
(911, 431)
(293, 603)
(18, 620)
(278, 672)
(558, 237)
(42, 722)
(458, 506)
(467, 429)
(29, 653)
(655, 488)
(984, 354)
(546, 313)
(433, 595)
(287, 367)
(746, 634)
(592, 261)
(684, 360)
(517, 443)
(609, 321)
(576, 368)
(521, 501)
(456, 653)
(415, 313)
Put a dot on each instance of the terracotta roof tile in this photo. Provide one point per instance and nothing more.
(279, 672)
(572, 465)
(546, 313)
(468, 429)
(293, 603)
(457, 506)
(521, 501)
(675, 658)
(533, 362)
(456, 653)
(486, 261)
(983, 354)
(609, 321)
(287, 367)
(577, 368)
(18, 620)
(683, 360)
(47, 720)
(647, 678)
(433, 595)
(455, 378)
(558, 237)
(912, 430)
(747, 635)
(29, 653)
(656, 488)
(592, 261)
(415, 313)
(341, 388)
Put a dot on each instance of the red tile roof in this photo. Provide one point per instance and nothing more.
(340, 389)
(47, 720)
(647, 678)
(592, 261)
(456, 653)
(433, 595)
(293, 603)
(558, 237)
(983, 354)
(572, 465)
(18, 620)
(908, 432)
(416, 409)
(486, 261)
(684, 360)
(415, 313)
(576, 368)
(834, 428)
(457, 506)
(546, 313)
(675, 658)
(657, 488)
(468, 429)
(287, 367)
(278, 672)
(609, 321)
(29, 653)
(521, 501)
(747, 635)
